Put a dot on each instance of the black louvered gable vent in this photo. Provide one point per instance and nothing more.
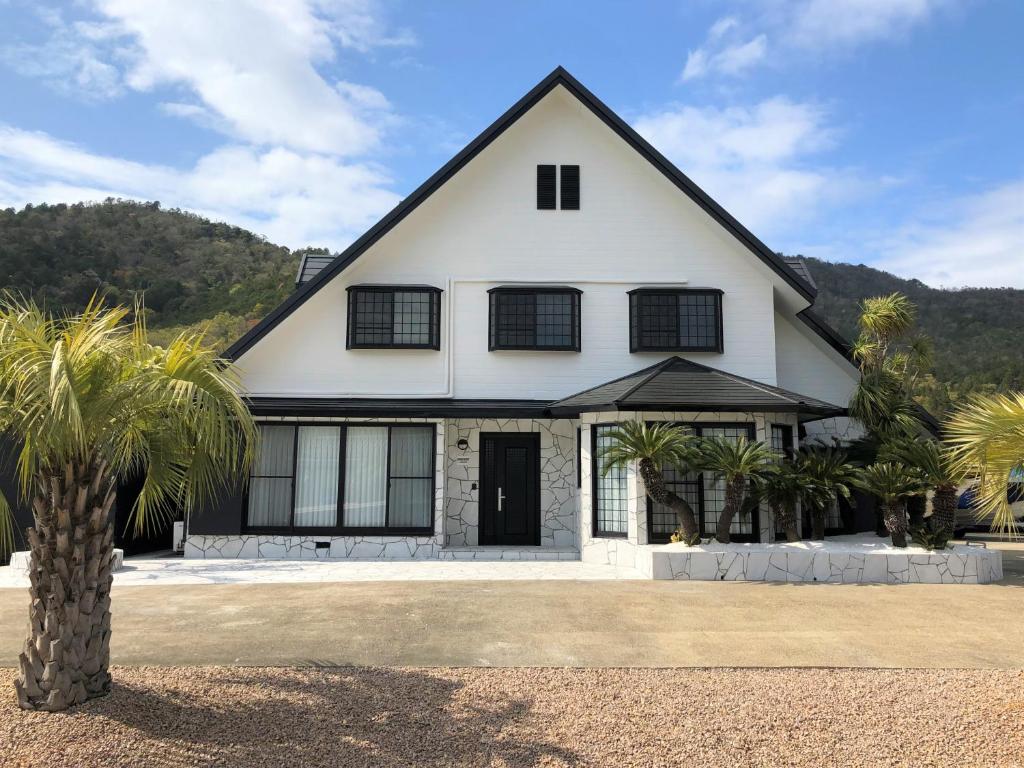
(545, 187)
(570, 187)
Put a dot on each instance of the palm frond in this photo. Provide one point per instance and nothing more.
(987, 439)
(663, 443)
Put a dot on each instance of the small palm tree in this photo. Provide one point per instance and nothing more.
(90, 402)
(735, 462)
(653, 446)
(892, 483)
(830, 477)
(987, 436)
(782, 487)
(940, 472)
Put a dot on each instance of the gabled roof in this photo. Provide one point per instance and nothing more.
(676, 384)
(558, 77)
(311, 266)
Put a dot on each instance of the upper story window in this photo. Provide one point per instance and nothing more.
(394, 317)
(675, 320)
(548, 187)
(527, 317)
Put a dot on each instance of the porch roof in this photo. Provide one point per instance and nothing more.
(676, 384)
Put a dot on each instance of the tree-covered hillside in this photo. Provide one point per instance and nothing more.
(977, 332)
(193, 271)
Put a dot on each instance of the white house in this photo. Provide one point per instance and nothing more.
(439, 389)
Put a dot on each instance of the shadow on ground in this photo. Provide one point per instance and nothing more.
(320, 717)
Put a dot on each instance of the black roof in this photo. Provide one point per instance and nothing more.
(311, 265)
(401, 407)
(558, 77)
(676, 384)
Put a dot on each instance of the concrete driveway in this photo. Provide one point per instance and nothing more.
(572, 623)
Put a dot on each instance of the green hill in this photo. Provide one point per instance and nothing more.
(193, 271)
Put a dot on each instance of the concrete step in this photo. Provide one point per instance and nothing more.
(509, 553)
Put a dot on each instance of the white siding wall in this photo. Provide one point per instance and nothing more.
(482, 229)
(806, 364)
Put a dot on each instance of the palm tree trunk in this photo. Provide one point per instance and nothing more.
(67, 653)
(734, 493)
(654, 485)
(944, 510)
(916, 507)
(817, 524)
(787, 518)
(896, 522)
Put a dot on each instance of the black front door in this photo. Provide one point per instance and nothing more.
(510, 488)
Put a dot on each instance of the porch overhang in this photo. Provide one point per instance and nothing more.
(676, 384)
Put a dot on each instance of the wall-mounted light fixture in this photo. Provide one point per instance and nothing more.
(463, 444)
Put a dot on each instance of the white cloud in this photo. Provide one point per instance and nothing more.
(751, 159)
(823, 24)
(723, 53)
(974, 241)
(802, 27)
(293, 198)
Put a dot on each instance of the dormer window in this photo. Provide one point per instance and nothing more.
(548, 187)
(538, 318)
(394, 317)
(675, 320)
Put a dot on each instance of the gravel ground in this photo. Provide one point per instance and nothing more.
(242, 716)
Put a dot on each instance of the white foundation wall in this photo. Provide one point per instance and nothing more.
(633, 550)
(482, 229)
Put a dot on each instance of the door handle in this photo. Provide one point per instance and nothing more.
(501, 498)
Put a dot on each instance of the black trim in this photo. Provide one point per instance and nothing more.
(558, 77)
(341, 529)
(570, 188)
(545, 187)
(635, 298)
(390, 408)
(353, 331)
(494, 307)
(595, 531)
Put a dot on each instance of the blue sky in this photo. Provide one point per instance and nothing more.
(887, 132)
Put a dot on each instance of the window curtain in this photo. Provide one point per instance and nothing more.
(270, 485)
(316, 480)
(411, 477)
(366, 476)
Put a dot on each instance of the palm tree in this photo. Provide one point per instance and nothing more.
(940, 471)
(987, 436)
(735, 462)
(830, 477)
(782, 487)
(892, 483)
(889, 365)
(653, 446)
(90, 402)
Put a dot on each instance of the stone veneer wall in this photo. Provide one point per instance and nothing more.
(558, 497)
(798, 563)
(630, 552)
(304, 547)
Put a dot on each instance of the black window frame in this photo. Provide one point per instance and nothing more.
(595, 530)
(755, 521)
(637, 295)
(493, 304)
(788, 450)
(351, 336)
(340, 529)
